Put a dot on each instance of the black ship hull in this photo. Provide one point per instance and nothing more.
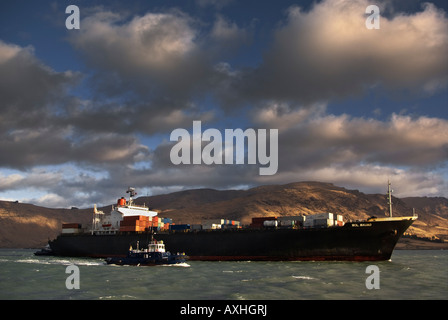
(361, 241)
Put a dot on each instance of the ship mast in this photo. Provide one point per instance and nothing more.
(132, 193)
(389, 198)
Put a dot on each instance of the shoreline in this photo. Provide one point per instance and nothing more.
(416, 244)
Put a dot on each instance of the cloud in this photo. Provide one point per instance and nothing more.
(219, 4)
(33, 147)
(152, 69)
(371, 178)
(36, 125)
(328, 53)
(154, 54)
(309, 138)
(29, 90)
(152, 73)
(227, 36)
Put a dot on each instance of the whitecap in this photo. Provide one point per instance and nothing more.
(304, 278)
(183, 264)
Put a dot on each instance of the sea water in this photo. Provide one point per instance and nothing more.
(410, 274)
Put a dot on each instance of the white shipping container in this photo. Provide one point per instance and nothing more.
(323, 222)
(213, 221)
(71, 230)
(326, 215)
(310, 223)
(211, 226)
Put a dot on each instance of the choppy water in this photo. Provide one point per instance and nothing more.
(409, 275)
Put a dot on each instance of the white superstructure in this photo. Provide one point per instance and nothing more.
(110, 223)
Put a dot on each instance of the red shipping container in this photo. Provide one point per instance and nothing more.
(134, 218)
(71, 225)
(126, 223)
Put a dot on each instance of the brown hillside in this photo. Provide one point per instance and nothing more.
(26, 225)
(305, 198)
(29, 226)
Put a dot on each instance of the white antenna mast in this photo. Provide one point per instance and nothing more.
(132, 193)
(389, 198)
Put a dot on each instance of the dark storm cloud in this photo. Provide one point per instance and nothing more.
(29, 90)
(34, 107)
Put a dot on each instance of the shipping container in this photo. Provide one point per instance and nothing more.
(286, 223)
(211, 226)
(165, 227)
(71, 230)
(125, 223)
(156, 220)
(293, 218)
(257, 222)
(213, 221)
(134, 218)
(179, 227)
(308, 223)
(131, 228)
(230, 226)
(71, 226)
(167, 220)
(326, 215)
(261, 219)
(323, 222)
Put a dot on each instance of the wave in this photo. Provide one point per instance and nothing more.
(61, 262)
(183, 264)
(304, 278)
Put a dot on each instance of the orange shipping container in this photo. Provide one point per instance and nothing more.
(143, 224)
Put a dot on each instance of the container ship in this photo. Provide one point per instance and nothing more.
(322, 236)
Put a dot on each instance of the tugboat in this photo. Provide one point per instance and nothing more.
(155, 254)
(44, 251)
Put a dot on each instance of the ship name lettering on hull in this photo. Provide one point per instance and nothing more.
(361, 225)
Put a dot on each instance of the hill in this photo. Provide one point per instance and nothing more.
(26, 225)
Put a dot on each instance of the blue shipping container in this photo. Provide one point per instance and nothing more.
(179, 227)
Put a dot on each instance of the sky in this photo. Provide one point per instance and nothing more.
(85, 113)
